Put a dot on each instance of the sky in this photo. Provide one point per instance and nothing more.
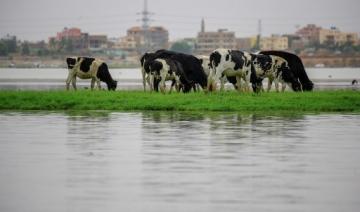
(36, 20)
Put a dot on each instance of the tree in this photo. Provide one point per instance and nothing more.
(69, 47)
(3, 49)
(25, 49)
(182, 47)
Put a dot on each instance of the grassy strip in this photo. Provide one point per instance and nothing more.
(319, 101)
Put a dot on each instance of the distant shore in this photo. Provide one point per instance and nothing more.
(314, 61)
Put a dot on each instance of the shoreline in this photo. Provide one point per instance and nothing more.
(228, 101)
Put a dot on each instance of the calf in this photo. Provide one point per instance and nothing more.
(89, 68)
(232, 65)
(275, 69)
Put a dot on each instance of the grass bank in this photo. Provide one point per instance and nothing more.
(319, 101)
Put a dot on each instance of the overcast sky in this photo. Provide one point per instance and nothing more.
(38, 19)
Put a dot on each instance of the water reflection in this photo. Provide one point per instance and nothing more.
(223, 155)
(178, 161)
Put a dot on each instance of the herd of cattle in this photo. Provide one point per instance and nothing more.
(187, 72)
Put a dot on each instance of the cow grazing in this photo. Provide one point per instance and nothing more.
(275, 69)
(168, 69)
(191, 67)
(89, 68)
(296, 68)
(145, 70)
(233, 65)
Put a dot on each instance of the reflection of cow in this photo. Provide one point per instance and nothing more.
(275, 69)
(296, 66)
(233, 64)
(89, 68)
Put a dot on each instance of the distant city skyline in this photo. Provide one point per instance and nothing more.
(36, 20)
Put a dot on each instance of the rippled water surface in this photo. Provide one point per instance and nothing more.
(157, 161)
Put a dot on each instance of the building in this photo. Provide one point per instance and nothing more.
(137, 39)
(309, 33)
(243, 44)
(206, 42)
(78, 39)
(335, 36)
(98, 42)
(275, 42)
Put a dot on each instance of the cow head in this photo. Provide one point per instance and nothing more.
(71, 61)
(112, 85)
(289, 78)
(215, 65)
(261, 64)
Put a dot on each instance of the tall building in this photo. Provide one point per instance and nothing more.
(206, 42)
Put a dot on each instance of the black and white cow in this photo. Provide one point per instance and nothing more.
(145, 70)
(89, 68)
(191, 67)
(168, 69)
(275, 69)
(233, 65)
(296, 67)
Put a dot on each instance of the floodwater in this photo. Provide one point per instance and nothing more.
(175, 161)
(130, 79)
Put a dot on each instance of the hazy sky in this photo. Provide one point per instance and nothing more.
(38, 19)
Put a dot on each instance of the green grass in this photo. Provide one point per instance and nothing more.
(319, 101)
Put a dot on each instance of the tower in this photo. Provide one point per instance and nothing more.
(202, 25)
(145, 17)
(258, 37)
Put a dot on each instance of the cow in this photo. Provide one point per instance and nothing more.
(168, 69)
(190, 64)
(145, 70)
(89, 68)
(205, 63)
(275, 69)
(296, 68)
(233, 65)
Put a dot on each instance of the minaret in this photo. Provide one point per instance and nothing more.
(202, 25)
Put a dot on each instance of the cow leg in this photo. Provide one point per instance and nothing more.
(277, 85)
(73, 82)
(270, 81)
(222, 83)
(163, 75)
(92, 83)
(150, 78)
(173, 82)
(283, 84)
(144, 78)
(98, 84)
(238, 83)
(68, 81)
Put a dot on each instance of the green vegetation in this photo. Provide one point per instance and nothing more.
(319, 101)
